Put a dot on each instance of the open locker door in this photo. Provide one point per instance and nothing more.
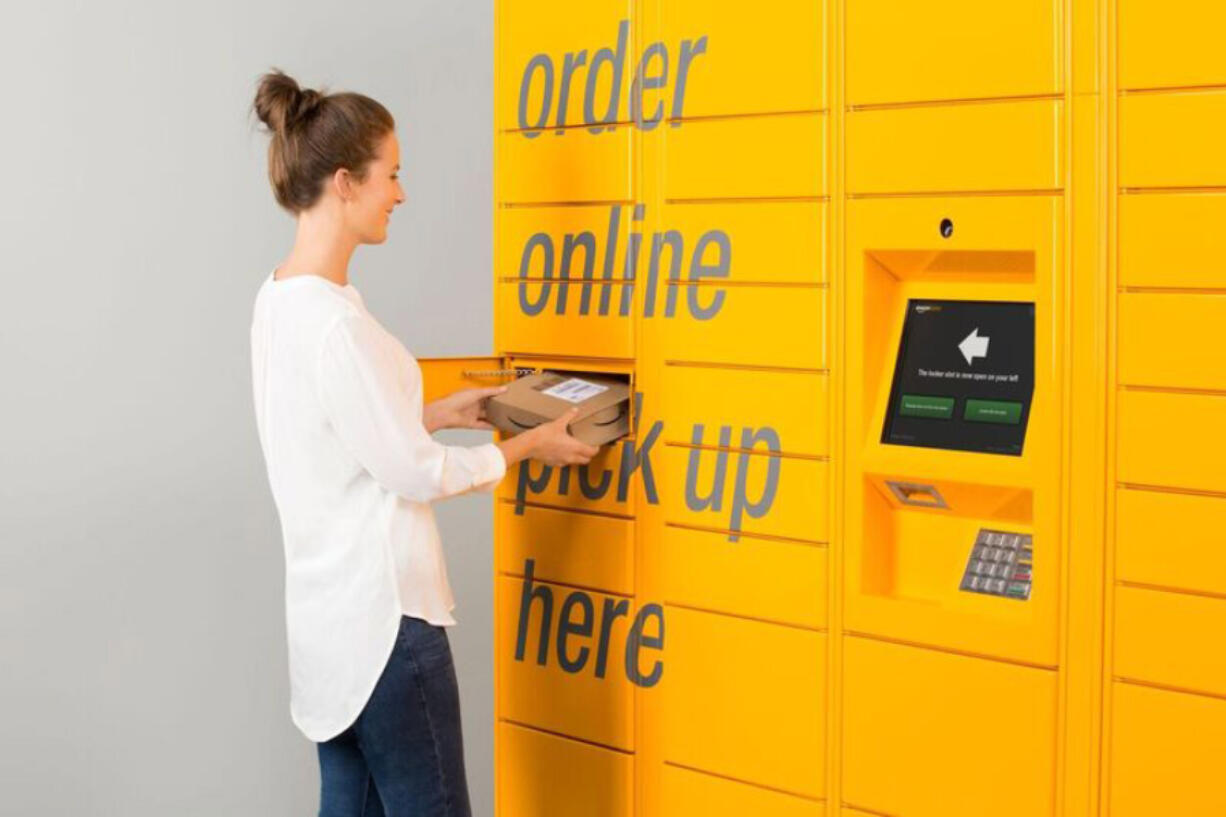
(443, 375)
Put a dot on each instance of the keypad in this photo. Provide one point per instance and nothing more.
(1000, 564)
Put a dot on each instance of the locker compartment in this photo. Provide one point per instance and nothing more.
(588, 550)
(598, 486)
(686, 792)
(988, 146)
(547, 30)
(757, 578)
(754, 62)
(1167, 754)
(754, 325)
(1171, 540)
(542, 775)
(1173, 240)
(563, 242)
(963, 49)
(719, 718)
(795, 404)
(574, 167)
(1160, 637)
(557, 317)
(578, 704)
(745, 157)
(1172, 440)
(1171, 44)
(772, 241)
(755, 493)
(1172, 140)
(1172, 339)
(930, 734)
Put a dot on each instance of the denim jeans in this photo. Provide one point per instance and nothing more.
(403, 756)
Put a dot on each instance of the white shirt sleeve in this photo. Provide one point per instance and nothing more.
(379, 421)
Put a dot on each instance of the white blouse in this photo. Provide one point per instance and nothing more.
(338, 406)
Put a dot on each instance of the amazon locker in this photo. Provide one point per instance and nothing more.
(921, 513)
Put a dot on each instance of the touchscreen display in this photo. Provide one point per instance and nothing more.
(964, 377)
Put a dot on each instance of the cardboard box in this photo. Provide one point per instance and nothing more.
(603, 403)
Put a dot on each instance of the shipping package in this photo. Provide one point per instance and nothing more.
(603, 403)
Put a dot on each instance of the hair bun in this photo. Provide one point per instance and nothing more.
(281, 104)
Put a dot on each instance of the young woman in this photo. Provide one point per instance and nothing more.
(353, 470)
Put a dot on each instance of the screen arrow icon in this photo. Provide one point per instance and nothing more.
(973, 346)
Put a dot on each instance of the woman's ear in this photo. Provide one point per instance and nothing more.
(342, 182)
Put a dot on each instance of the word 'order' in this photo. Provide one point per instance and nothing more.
(542, 76)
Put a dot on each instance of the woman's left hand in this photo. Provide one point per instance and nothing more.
(461, 409)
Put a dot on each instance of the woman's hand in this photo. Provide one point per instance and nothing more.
(461, 409)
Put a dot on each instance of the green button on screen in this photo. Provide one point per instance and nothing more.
(913, 405)
(992, 411)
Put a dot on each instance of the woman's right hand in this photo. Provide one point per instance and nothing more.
(553, 444)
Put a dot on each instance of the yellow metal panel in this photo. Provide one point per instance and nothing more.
(991, 146)
(574, 167)
(746, 157)
(542, 775)
(584, 549)
(1173, 240)
(757, 578)
(962, 49)
(773, 241)
(554, 28)
(569, 233)
(798, 509)
(921, 729)
(755, 325)
(794, 404)
(1172, 440)
(1172, 140)
(753, 62)
(1160, 637)
(1171, 540)
(718, 718)
(1167, 754)
(1176, 43)
(1172, 339)
(578, 704)
(580, 330)
(687, 792)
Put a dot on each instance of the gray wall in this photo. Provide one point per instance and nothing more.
(141, 571)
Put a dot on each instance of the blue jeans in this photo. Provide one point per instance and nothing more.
(403, 756)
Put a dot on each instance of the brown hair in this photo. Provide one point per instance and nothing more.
(314, 134)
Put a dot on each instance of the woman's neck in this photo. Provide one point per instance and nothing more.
(321, 247)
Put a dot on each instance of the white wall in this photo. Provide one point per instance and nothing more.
(141, 586)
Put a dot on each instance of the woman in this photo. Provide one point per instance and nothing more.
(353, 470)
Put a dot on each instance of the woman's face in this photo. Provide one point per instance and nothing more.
(375, 197)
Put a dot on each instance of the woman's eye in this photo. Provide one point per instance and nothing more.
(395, 177)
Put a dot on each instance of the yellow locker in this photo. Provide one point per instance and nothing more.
(1162, 440)
(1172, 340)
(543, 775)
(1171, 540)
(686, 791)
(794, 404)
(1173, 240)
(961, 49)
(1147, 646)
(1170, 140)
(708, 159)
(993, 146)
(581, 549)
(1175, 44)
(754, 577)
(1166, 753)
(734, 491)
(748, 62)
(713, 721)
(932, 734)
(595, 702)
